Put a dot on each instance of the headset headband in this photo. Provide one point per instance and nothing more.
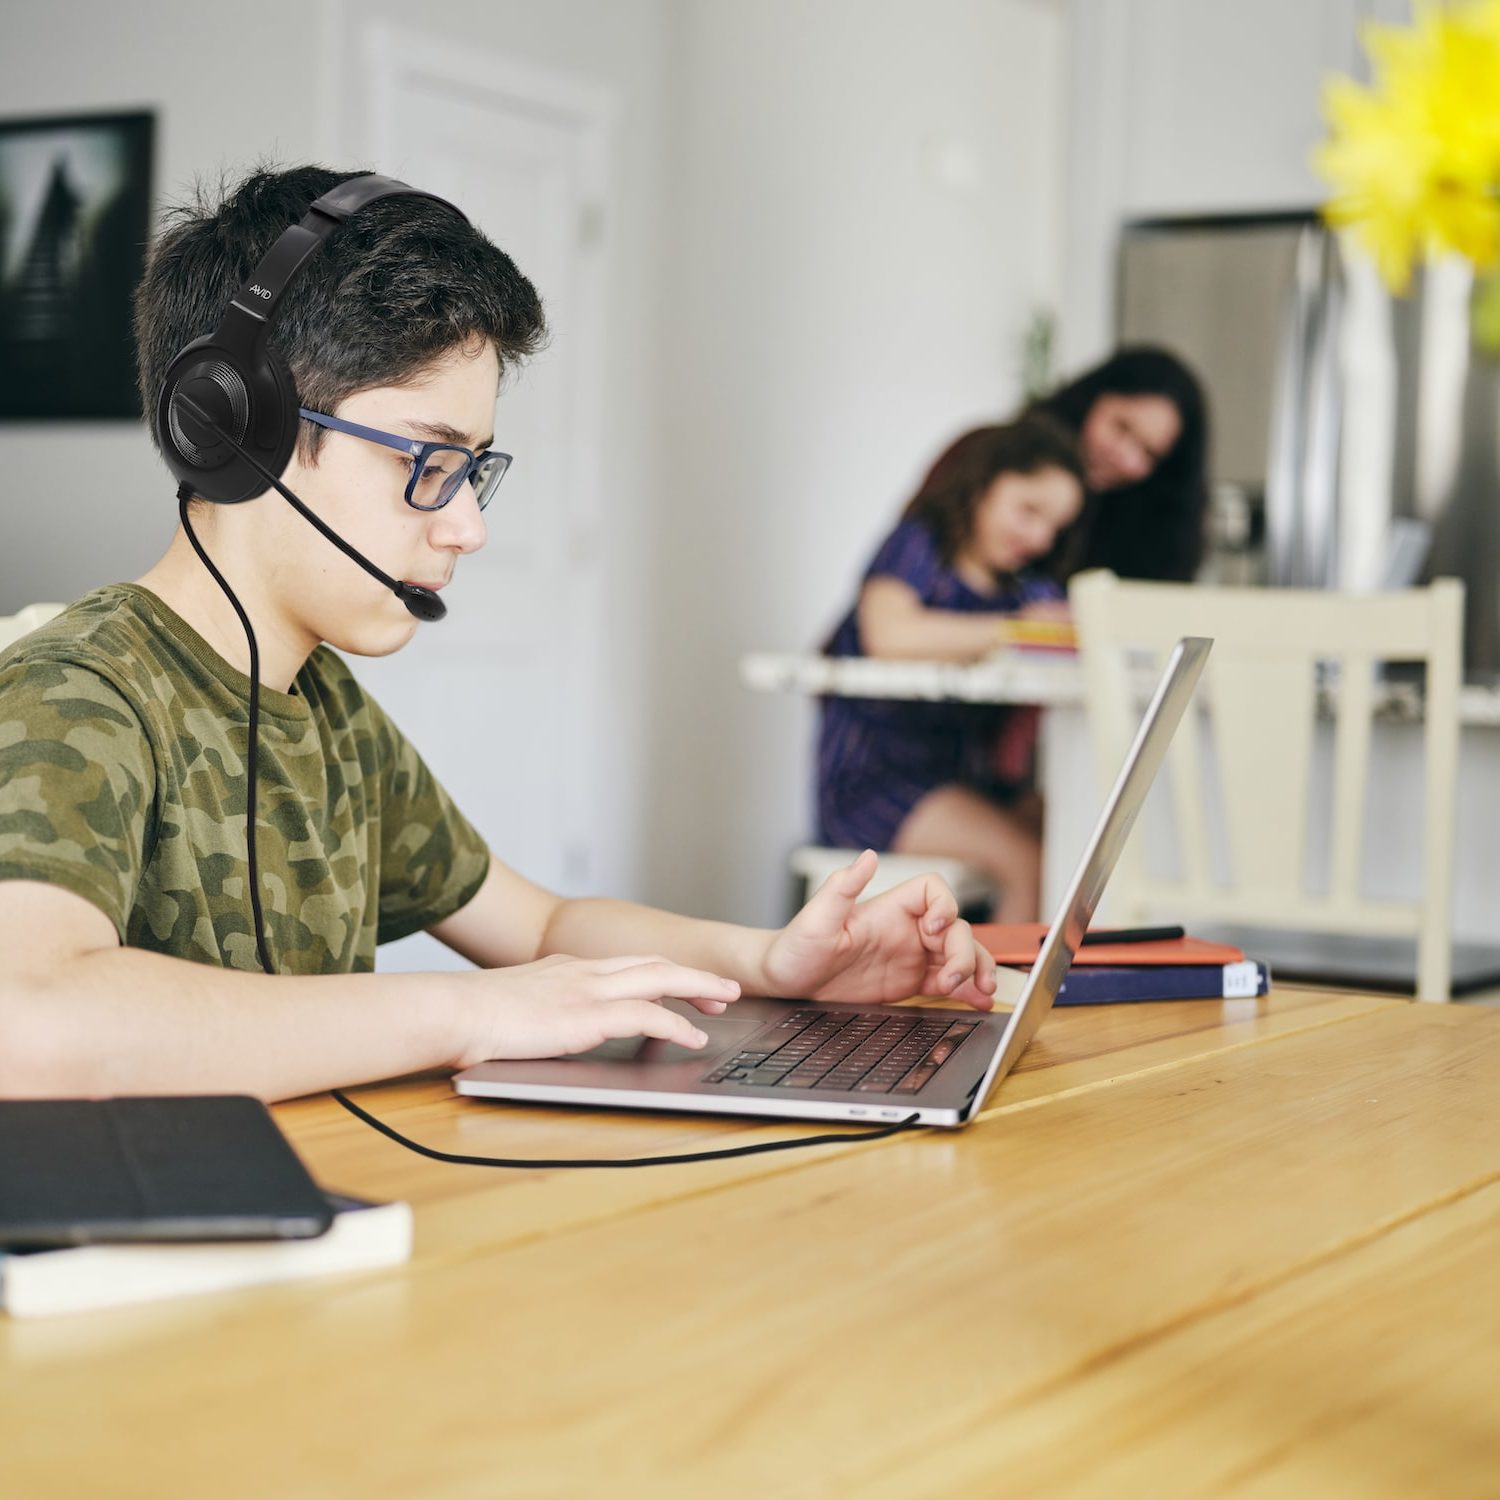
(261, 294)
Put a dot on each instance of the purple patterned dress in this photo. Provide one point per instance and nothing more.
(878, 757)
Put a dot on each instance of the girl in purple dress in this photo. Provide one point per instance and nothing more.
(953, 778)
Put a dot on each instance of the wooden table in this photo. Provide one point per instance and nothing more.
(1028, 675)
(1202, 1248)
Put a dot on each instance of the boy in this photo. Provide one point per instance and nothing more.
(128, 959)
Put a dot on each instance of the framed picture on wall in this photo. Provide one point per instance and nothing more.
(75, 211)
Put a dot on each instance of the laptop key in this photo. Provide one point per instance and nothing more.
(936, 1056)
(845, 1053)
(916, 1079)
(844, 1077)
(764, 1077)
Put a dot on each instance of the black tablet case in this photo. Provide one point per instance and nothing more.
(210, 1167)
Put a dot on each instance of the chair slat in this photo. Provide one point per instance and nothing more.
(1263, 717)
(1350, 767)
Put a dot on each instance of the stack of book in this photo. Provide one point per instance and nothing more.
(37, 1282)
(1132, 964)
(110, 1201)
(1039, 635)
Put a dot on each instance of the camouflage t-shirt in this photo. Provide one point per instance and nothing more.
(123, 742)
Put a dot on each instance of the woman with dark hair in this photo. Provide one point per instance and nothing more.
(1142, 427)
(946, 585)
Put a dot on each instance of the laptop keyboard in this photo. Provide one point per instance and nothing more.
(853, 1053)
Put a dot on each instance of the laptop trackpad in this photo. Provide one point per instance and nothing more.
(636, 1062)
(724, 1038)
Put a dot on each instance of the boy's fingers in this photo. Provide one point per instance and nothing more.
(658, 978)
(979, 989)
(647, 1018)
(846, 885)
(959, 954)
(618, 961)
(985, 976)
(708, 1007)
(941, 913)
(970, 994)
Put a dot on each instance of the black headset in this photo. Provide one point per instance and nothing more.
(227, 414)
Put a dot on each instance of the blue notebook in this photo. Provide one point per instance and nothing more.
(1246, 980)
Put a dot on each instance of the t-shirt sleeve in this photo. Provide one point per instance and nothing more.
(911, 554)
(432, 859)
(77, 784)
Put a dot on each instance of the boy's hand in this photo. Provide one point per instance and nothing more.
(559, 1005)
(907, 941)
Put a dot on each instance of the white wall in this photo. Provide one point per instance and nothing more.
(1183, 107)
(89, 502)
(866, 196)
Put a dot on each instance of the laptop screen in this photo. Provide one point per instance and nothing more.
(1121, 808)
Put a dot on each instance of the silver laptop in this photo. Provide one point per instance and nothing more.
(805, 1060)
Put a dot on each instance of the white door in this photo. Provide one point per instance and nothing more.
(500, 697)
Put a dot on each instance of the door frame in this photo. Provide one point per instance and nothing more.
(392, 57)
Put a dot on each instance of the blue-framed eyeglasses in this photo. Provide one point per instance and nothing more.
(437, 469)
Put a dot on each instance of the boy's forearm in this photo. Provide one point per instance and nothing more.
(599, 928)
(127, 1021)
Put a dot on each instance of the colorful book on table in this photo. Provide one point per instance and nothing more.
(1039, 635)
(1245, 980)
(1109, 973)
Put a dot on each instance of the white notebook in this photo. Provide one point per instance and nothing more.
(38, 1283)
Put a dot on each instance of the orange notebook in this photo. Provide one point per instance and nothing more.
(1040, 635)
(1017, 944)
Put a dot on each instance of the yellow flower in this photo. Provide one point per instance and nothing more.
(1414, 160)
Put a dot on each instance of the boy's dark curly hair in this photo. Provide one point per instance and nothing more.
(396, 287)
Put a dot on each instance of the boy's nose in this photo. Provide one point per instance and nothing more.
(460, 526)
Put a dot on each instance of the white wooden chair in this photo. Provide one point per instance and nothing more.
(1262, 692)
(13, 627)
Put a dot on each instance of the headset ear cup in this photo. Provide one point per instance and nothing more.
(255, 403)
(285, 387)
(287, 405)
(212, 378)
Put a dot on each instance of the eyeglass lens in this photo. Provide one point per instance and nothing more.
(444, 469)
(488, 475)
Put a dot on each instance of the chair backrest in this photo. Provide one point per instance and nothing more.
(1264, 695)
(13, 627)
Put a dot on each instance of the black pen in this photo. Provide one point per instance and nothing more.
(1135, 935)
